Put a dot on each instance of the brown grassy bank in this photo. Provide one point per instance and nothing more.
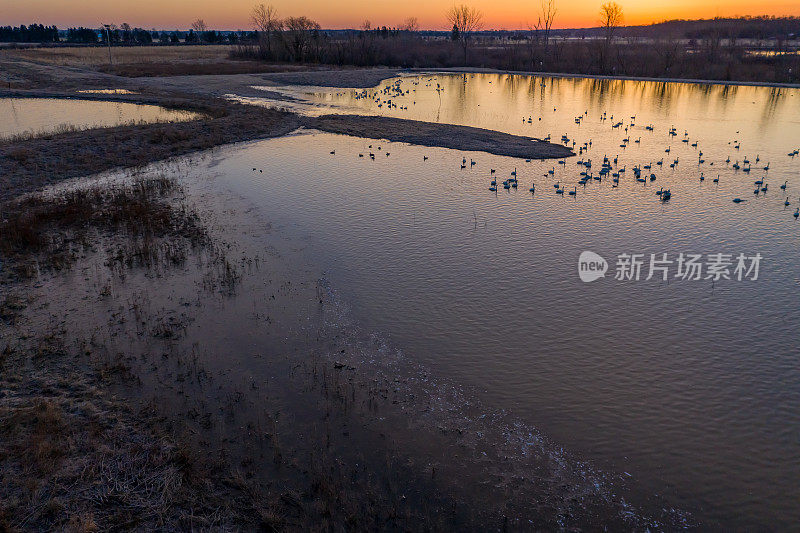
(77, 458)
(27, 165)
(359, 78)
(97, 56)
(464, 138)
(150, 69)
(73, 455)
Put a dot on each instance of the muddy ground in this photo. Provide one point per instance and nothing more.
(441, 135)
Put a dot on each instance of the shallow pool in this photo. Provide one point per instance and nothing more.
(40, 116)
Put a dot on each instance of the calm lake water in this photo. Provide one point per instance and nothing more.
(24, 116)
(690, 387)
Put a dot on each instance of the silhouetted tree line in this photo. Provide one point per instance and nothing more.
(657, 57)
(127, 35)
(729, 28)
(35, 33)
(124, 34)
(81, 35)
(301, 40)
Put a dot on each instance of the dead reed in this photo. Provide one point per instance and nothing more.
(48, 231)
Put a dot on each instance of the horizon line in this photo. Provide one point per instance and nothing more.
(444, 30)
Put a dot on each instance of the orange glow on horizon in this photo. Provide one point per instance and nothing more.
(234, 14)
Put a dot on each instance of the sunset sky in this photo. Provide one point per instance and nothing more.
(233, 14)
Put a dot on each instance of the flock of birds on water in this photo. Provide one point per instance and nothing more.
(642, 173)
(609, 168)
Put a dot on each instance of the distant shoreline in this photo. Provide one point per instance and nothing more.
(477, 70)
(364, 78)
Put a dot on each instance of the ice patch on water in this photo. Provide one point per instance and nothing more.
(527, 472)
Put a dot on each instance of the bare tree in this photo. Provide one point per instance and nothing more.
(465, 20)
(126, 29)
(610, 19)
(366, 43)
(712, 41)
(299, 35)
(266, 21)
(535, 29)
(199, 26)
(668, 48)
(410, 24)
(548, 16)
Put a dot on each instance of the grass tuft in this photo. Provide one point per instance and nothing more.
(49, 231)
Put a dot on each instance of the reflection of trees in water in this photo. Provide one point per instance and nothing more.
(558, 88)
(457, 102)
(458, 107)
(722, 97)
(534, 94)
(597, 92)
(510, 84)
(14, 111)
(774, 99)
(500, 101)
(531, 86)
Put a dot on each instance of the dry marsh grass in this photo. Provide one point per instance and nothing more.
(75, 458)
(154, 69)
(44, 232)
(97, 56)
(62, 129)
(139, 61)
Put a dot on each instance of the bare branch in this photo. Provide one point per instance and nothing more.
(410, 24)
(610, 18)
(199, 26)
(465, 20)
(264, 18)
(548, 16)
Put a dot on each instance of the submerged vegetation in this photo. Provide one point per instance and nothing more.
(74, 456)
(49, 232)
(77, 458)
